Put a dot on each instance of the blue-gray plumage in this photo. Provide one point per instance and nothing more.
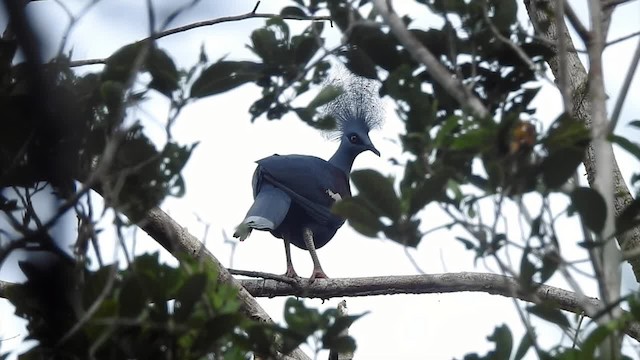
(293, 194)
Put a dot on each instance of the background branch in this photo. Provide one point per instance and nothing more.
(582, 110)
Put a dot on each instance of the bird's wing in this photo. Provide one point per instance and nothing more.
(311, 182)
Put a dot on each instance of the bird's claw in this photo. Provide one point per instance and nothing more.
(291, 272)
(318, 273)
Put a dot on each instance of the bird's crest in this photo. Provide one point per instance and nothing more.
(357, 108)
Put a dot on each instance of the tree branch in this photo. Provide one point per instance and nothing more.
(176, 239)
(582, 109)
(199, 24)
(429, 284)
(452, 85)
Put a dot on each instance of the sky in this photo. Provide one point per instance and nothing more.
(218, 181)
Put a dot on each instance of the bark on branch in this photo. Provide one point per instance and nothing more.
(582, 109)
(428, 284)
(176, 239)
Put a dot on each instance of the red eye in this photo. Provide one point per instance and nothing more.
(353, 139)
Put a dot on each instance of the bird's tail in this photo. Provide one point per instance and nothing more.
(267, 212)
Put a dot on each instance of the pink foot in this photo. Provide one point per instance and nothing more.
(318, 273)
(291, 272)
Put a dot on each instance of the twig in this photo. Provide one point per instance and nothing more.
(179, 29)
(264, 275)
(578, 26)
(615, 115)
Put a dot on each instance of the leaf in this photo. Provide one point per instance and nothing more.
(132, 299)
(550, 314)
(341, 344)
(188, 295)
(559, 166)
(163, 72)
(429, 190)
(325, 96)
(224, 76)
(634, 123)
(505, 14)
(378, 190)
(523, 348)
(591, 207)
(359, 63)
(595, 338)
(119, 65)
(627, 144)
(504, 343)
(292, 11)
(305, 47)
(359, 214)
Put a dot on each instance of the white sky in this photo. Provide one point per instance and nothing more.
(218, 179)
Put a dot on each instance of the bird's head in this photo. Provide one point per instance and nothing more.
(358, 141)
(356, 111)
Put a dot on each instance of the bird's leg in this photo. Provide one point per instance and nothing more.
(287, 250)
(318, 273)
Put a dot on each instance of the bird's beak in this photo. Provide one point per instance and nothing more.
(373, 149)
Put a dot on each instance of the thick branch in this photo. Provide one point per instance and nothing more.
(428, 284)
(176, 239)
(582, 110)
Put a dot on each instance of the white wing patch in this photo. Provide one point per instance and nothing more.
(334, 196)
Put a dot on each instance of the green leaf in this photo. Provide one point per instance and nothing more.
(523, 348)
(527, 270)
(292, 11)
(119, 65)
(505, 14)
(634, 123)
(340, 324)
(304, 47)
(504, 343)
(550, 314)
(591, 207)
(559, 166)
(163, 72)
(427, 191)
(188, 295)
(132, 299)
(360, 215)
(359, 63)
(595, 338)
(224, 76)
(325, 96)
(378, 190)
(341, 344)
(627, 144)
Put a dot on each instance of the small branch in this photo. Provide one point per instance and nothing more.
(266, 276)
(624, 38)
(428, 284)
(578, 26)
(199, 24)
(615, 115)
(453, 86)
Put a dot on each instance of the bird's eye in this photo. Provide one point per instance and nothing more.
(353, 139)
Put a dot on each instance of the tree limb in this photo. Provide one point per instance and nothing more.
(176, 239)
(417, 284)
(199, 24)
(428, 284)
(452, 85)
(582, 110)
